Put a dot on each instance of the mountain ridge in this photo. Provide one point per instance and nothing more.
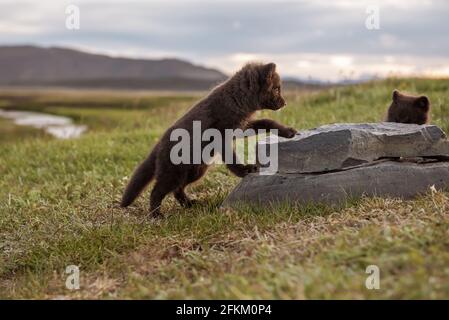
(33, 65)
(36, 66)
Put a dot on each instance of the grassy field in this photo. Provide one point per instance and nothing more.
(58, 207)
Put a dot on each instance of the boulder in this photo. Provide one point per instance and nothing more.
(384, 179)
(334, 163)
(340, 146)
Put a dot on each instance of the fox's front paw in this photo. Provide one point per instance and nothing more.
(288, 132)
(244, 170)
(241, 170)
(250, 168)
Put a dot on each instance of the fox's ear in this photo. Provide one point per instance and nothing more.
(395, 95)
(423, 103)
(268, 71)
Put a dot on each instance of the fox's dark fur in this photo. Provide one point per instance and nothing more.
(409, 109)
(229, 106)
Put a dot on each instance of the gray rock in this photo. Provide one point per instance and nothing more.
(340, 146)
(383, 178)
(334, 163)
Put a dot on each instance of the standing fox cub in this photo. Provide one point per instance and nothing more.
(408, 109)
(230, 105)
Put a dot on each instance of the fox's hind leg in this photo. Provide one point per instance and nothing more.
(195, 173)
(182, 198)
(164, 185)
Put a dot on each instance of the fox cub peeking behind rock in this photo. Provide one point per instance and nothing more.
(229, 106)
(409, 109)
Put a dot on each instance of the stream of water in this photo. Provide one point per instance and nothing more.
(58, 126)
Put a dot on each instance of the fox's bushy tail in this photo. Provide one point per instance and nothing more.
(141, 178)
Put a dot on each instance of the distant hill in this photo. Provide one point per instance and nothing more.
(37, 66)
(296, 84)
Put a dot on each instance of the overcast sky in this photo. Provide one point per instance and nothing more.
(325, 40)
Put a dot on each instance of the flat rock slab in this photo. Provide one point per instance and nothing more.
(384, 179)
(341, 146)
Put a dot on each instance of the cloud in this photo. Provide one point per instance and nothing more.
(225, 33)
(332, 67)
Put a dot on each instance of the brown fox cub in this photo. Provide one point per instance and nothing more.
(409, 109)
(229, 106)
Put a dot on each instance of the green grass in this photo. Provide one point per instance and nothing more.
(58, 206)
(10, 132)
